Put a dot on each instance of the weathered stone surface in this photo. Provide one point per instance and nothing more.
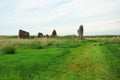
(54, 34)
(23, 34)
(80, 32)
(40, 35)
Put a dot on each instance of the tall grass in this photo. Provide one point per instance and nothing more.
(34, 43)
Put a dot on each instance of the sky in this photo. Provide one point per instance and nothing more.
(98, 17)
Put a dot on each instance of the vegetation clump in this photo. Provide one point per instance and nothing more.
(9, 50)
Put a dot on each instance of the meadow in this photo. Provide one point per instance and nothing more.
(63, 58)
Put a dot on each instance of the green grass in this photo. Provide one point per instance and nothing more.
(61, 59)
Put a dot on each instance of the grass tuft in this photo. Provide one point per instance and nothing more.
(9, 50)
(36, 46)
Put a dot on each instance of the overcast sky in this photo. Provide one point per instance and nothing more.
(65, 16)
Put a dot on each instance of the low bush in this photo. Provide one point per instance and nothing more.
(9, 50)
(36, 46)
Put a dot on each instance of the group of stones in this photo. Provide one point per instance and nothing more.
(25, 35)
(54, 34)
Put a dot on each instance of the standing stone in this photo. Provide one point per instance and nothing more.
(23, 34)
(54, 34)
(40, 35)
(80, 32)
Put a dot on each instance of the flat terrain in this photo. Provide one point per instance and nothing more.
(61, 59)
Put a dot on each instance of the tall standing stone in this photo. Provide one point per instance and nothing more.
(54, 34)
(40, 35)
(80, 32)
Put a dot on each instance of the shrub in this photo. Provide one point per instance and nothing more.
(36, 45)
(9, 50)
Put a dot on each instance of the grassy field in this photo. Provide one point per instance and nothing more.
(60, 59)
